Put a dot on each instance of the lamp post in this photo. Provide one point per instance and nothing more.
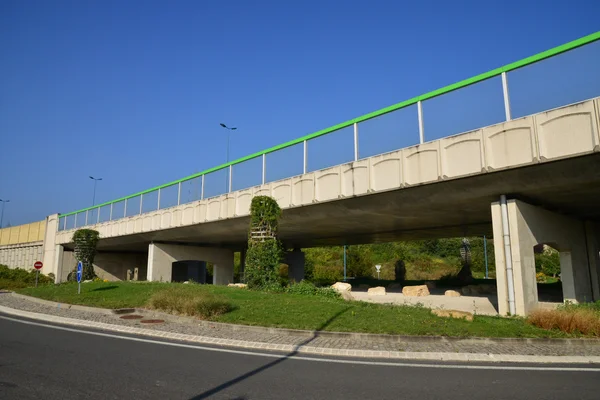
(95, 181)
(2, 212)
(228, 134)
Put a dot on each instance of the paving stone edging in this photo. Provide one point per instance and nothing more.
(301, 349)
(312, 334)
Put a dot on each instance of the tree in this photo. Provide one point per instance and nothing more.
(86, 241)
(265, 251)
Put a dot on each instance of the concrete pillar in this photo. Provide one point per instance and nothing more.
(53, 253)
(243, 263)
(295, 261)
(528, 227)
(161, 257)
(592, 233)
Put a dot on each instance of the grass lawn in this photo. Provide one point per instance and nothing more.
(298, 311)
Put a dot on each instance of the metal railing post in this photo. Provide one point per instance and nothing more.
(421, 126)
(75, 223)
(355, 141)
(202, 189)
(98, 219)
(230, 177)
(125, 209)
(86, 217)
(264, 168)
(158, 203)
(141, 202)
(305, 157)
(110, 214)
(506, 97)
(179, 194)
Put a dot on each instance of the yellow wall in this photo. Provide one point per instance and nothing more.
(27, 233)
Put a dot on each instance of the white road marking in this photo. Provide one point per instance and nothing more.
(303, 358)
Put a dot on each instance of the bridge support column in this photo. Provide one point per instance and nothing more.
(529, 226)
(53, 253)
(161, 257)
(295, 261)
(592, 232)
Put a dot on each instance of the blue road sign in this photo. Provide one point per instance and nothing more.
(79, 271)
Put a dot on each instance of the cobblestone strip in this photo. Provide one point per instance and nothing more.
(301, 349)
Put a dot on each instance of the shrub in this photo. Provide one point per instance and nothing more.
(17, 278)
(307, 288)
(177, 300)
(578, 319)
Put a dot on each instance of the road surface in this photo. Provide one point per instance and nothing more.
(42, 361)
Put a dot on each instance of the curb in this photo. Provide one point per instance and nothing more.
(303, 349)
(389, 338)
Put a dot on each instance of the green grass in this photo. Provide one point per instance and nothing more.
(297, 311)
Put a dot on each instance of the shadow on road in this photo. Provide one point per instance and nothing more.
(258, 370)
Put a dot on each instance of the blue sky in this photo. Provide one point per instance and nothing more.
(134, 91)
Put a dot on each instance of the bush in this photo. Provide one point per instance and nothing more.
(307, 288)
(183, 301)
(581, 318)
(17, 278)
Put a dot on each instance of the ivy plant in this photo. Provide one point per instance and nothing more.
(86, 241)
(264, 249)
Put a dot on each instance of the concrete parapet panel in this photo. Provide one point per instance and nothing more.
(328, 184)
(355, 178)
(129, 226)
(187, 215)
(421, 163)
(177, 214)
(303, 189)
(282, 192)
(165, 219)
(146, 223)
(264, 190)
(114, 228)
(462, 155)
(23, 233)
(597, 105)
(213, 210)
(567, 131)
(13, 235)
(228, 209)
(138, 224)
(243, 201)
(199, 210)
(510, 144)
(156, 220)
(386, 171)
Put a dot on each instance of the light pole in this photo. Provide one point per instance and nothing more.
(95, 181)
(228, 134)
(2, 212)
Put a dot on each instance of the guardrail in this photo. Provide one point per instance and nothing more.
(150, 199)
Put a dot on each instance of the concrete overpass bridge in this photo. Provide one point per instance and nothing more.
(524, 181)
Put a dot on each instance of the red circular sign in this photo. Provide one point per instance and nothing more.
(38, 265)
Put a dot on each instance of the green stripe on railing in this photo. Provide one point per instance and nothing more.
(438, 92)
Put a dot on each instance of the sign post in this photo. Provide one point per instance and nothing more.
(79, 274)
(37, 265)
(378, 267)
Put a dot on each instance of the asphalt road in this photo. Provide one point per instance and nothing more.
(42, 362)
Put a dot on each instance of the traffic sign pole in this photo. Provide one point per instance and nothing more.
(79, 273)
(37, 265)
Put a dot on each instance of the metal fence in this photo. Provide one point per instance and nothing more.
(563, 75)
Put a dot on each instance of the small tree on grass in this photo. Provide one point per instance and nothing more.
(86, 241)
(264, 250)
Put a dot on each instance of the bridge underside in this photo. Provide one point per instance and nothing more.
(444, 209)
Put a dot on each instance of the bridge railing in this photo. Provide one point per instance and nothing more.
(562, 75)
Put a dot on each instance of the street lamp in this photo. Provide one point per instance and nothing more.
(95, 181)
(228, 134)
(2, 212)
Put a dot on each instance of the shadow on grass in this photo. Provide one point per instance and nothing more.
(101, 289)
(258, 370)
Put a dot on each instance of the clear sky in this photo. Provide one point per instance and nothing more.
(134, 91)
